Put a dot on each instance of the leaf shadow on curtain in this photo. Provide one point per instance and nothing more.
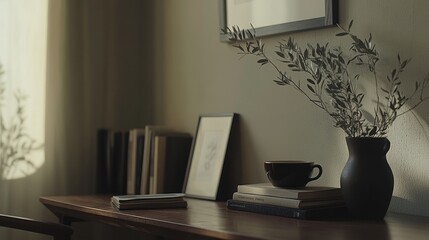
(99, 74)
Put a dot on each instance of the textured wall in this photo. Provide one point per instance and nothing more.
(196, 73)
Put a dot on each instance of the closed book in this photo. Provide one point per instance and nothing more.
(103, 175)
(306, 193)
(119, 163)
(151, 205)
(314, 213)
(139, 162)
(170, 160)
(124, 165)
(149, 201)
(147, 197)
(286, 202)
(132, 159)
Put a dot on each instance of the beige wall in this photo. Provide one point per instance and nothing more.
(196, 73)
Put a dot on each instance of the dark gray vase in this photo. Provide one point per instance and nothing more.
(367, 180)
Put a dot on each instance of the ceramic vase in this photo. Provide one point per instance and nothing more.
(367, 180)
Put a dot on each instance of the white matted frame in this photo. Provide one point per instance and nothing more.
(207, 156)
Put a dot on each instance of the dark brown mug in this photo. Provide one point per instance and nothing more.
(291, 174)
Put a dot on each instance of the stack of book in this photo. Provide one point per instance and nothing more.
(149, 201)
(303, 203)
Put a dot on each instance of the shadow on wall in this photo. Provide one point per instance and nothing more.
(418, 197)
(410, 162)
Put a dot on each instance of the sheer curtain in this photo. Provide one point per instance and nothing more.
(23, 38)
(94, 68)
(23, 27)
(23, 45)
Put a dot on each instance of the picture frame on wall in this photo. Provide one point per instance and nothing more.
(272, 17)
(207, 157)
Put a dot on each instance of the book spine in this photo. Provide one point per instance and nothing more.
(124, 166)
(118, 161)
(266, 209)
(144, 185)
(139, 163)
(284, 202)
(103, 161)
(157, 175)
(131, 165)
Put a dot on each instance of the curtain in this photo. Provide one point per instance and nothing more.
(96, 72)
(22, 103)
(23, 38)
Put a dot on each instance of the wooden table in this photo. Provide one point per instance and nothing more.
(212, 220)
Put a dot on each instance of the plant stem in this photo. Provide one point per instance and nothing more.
(413, 107)
(378, 96)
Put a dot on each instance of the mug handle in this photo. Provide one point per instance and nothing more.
(319, 174)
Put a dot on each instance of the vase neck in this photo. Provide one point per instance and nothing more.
(367, 146)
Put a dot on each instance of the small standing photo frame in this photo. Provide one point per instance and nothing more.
(207, 156)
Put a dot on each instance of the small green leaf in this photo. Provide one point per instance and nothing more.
(393, 73)
(360, 98)
(339, 102)
(341, 59)
(278, 82)
(373, 131)
(311, 88)
(404, 63)
(263, 60)
(350, 25)
(301, 61)
(282, 55)
(255, 49)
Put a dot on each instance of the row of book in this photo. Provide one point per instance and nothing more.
(303, 203)
(149, 160)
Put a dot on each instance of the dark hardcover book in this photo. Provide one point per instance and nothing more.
(124, 164)
(119, 163)
(115, 160)
(314, 213)
(103, 184)
(171, 154)
(139, 162)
